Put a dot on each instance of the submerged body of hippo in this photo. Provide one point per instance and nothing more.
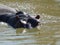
(18, 19)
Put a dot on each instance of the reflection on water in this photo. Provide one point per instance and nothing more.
(49, 33)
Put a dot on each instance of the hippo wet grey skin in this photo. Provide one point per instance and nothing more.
(20, 20)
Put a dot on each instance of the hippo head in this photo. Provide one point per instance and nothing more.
(33, 21)
(26, 21)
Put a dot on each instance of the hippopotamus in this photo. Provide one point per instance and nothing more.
(20, 20)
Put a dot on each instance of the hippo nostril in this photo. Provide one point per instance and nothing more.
(37, 17)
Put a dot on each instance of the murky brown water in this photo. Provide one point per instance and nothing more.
(49, 33)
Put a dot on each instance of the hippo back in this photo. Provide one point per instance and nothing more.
(5, 9)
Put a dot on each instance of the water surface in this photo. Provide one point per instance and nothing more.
(49, 32)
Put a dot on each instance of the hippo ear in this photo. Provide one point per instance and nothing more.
(19, 12)
(17, 17)
(37, 17)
